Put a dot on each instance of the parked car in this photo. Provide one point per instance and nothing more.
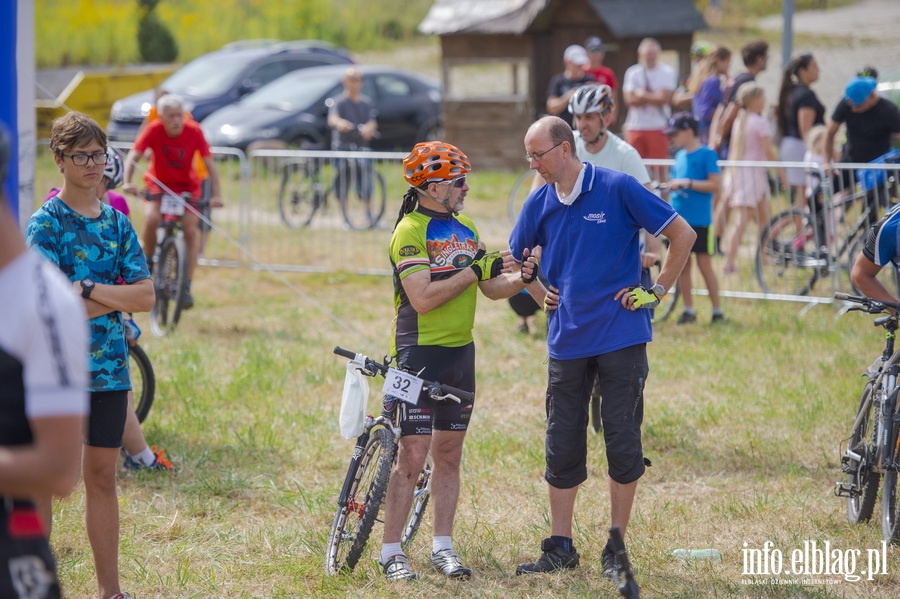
(223, 77)
(293, 110)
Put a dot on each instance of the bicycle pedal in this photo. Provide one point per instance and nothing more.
(842, 489)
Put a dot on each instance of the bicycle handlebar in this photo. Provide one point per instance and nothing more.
(867, 304)
(435, 389)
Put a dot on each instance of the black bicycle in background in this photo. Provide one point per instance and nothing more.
(365, 483)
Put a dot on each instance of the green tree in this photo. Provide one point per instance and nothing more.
(155, 42)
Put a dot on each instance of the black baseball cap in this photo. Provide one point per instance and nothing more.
(594, 43)
(681, 121)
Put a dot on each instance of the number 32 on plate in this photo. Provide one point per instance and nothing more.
(402, 385)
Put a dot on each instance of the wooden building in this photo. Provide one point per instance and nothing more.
(511, 49)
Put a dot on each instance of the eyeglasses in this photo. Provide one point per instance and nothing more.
(459, 182)
(100, 158)
(538, 156)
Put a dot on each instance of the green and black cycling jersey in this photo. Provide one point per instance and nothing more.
(443, 244)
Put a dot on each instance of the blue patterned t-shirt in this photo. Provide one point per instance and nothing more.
(106, 250)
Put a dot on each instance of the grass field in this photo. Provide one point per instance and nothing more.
(743, 424)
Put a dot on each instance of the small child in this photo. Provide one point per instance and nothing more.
(695, 178)
(748, 192)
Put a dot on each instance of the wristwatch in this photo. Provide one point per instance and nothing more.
(659, 291)
(87, 286)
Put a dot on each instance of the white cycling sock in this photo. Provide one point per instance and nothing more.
(440, 543)
(389, 550)
(146, 457)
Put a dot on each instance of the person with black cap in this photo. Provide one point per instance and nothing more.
(694, 180)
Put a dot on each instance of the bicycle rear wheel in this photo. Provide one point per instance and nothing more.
(143, 381)
(788, 258)
(861, 479)
(297, 196)
(420, 502)
(520, 191)
(170, 285)
(890, 518)
(357, 179)
(353, 522)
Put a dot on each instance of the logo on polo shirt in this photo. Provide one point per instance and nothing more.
(596, 217)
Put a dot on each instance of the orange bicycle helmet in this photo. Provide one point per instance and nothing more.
(434, 161)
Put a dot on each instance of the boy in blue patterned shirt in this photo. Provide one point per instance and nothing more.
(694, 180)
(95, 246)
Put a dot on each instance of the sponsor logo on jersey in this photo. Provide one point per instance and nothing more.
(596, 217)
(409, 250)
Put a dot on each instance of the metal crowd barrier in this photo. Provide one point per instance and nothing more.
(255, 228)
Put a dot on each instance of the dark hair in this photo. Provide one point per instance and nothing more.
(410, 201)
(753, 51)
(560, 131)
(789, 81)
(868, 71)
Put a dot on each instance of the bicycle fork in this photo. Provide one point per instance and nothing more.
(887, 419)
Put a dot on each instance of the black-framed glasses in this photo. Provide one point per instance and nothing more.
(100, 158)
(538, 156)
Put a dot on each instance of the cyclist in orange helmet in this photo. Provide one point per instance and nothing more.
(438, 259)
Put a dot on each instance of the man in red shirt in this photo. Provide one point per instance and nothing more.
(173, 141)
(602, 73)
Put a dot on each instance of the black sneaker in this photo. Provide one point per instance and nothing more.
(553, 559)
(686, 318)
(718, 318)
(609, 561)
(187, 301)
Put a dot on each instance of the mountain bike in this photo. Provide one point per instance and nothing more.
(799, 246)
(306, 185)
(170, 264)
(873, 449)
(365, 483)
(143, 380)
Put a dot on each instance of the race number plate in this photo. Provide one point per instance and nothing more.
(171, 205)
(402, 385)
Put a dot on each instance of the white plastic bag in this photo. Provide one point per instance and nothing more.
(353, 401)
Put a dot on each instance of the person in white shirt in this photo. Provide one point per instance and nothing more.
(647, 89)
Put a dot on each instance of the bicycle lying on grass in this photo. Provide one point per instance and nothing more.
(365, 483)
(873, 448)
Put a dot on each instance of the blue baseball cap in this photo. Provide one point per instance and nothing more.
(859, 89)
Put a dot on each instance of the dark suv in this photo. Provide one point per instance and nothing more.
(223, 77)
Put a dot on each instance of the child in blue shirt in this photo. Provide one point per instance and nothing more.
(695, 178)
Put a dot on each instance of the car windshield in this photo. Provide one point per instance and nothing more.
(295, 91)
(205, 76)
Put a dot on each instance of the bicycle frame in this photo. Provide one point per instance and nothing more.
(386, 419)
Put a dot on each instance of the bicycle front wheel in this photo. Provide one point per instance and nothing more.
(420, 502)
(353, 522)
(361, 192)
(788, 258)
(520, 191)
(861, 479)
(890, 518)
(297, 198)
(143, 381)
(170, 285)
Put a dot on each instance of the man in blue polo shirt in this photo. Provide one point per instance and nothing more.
(587, 220)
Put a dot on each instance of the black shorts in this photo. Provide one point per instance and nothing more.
(27, 569)
(622, 375)
(704, 242)
(449, 365)
(106, 423)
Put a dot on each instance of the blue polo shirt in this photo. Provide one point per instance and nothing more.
(590, 252)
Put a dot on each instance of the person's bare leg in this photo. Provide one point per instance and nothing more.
(562, 510)
(621, 500)
(152, 219)
(399, 496)
(704, 264)
(446, 454)
(102, 515)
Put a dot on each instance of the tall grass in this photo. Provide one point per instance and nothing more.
(104, 32)
(743, 424)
